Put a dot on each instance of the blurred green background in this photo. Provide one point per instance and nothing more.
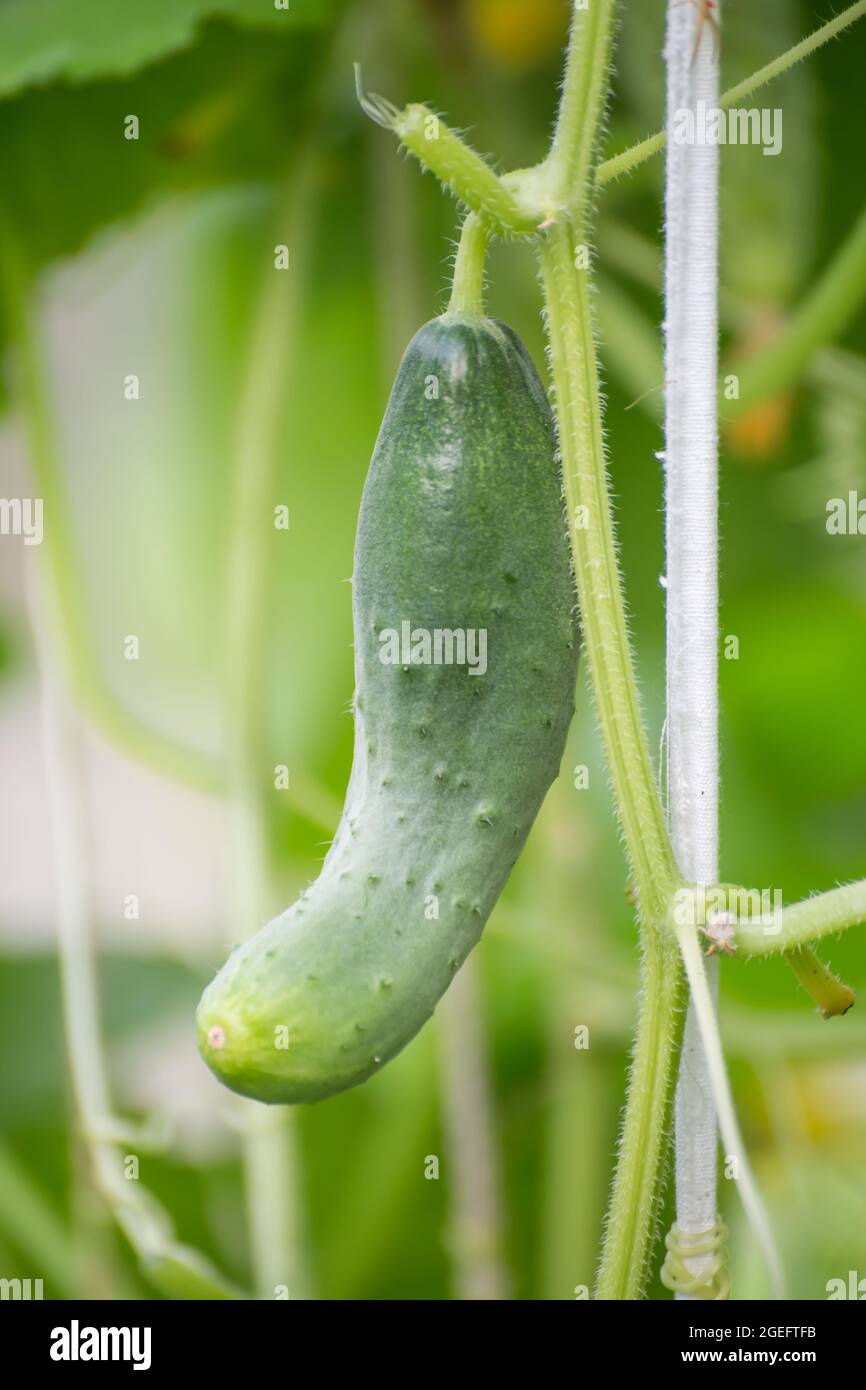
(155, 257)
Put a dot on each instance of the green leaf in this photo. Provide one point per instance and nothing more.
(43, 40)
(183, 1273)
(224, 111)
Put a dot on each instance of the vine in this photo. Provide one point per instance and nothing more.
(552, 204)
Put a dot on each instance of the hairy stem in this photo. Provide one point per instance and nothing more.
(458, 167)
(599, 585)
(565, 276)
(805, 921)
(467, 283)
(634, 1200)
(636, 1195)
(635, 155)
(584, 93)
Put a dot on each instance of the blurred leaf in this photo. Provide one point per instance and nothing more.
(33, 1224)
(225, 111)
(183, 1272)
(42, 40)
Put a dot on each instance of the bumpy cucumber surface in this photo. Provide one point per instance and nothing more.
(461, 528)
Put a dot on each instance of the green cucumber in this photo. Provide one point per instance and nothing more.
(462, 530)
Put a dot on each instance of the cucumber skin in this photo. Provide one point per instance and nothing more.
(461, 526)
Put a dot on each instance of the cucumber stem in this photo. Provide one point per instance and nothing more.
(568, 314)
(566, 281)
(566, 169)
(634, 1199)
(467, 283)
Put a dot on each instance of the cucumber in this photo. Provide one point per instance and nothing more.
(461, 530)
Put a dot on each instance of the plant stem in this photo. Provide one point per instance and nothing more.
(475, 1216)
(785, 61)
(457, 167)
(629, 159)
(634, 1200)
(269, 1141)
(467, 284)
(804, 921)
(599, 585)
(584, 94)
(637, 1182)
(691, 572)
(176, 1270)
